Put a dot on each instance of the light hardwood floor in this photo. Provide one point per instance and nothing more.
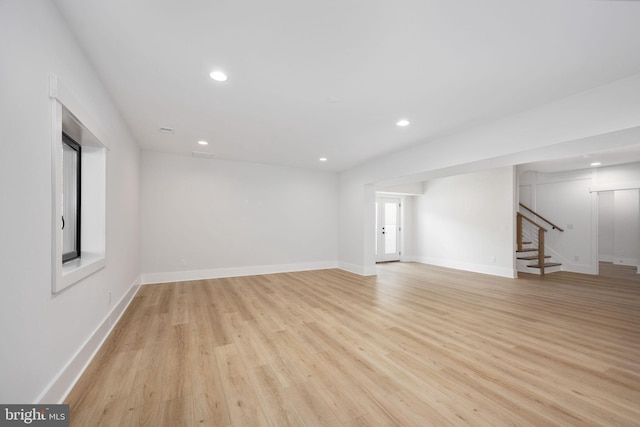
(416, 345)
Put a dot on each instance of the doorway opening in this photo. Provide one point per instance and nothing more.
(388, 229)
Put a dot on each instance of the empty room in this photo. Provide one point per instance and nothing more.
(336, 213)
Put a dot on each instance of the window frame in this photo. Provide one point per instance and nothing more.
(69, 116)
(76, 253)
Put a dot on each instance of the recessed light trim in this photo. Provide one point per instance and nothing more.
(201, 142)
(218, 76)
(403, 122)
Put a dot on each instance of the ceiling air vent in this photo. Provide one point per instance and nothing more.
(166, 129)
(201, 154)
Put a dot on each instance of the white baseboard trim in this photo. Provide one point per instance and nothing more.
(493, 270)
(578, 268)
(61, 386)
(360, 270)
(631, 262)
(370, 270)
(219, 273)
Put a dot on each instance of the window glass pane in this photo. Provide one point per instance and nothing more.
(390, 228)
(70, 159)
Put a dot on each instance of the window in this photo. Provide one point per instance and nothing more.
(79, 177)
(71, 198)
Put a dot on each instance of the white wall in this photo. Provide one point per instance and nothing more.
(619, 177)
(626, 214)
(602, 118)
(407, 234)
(41, 332)
(409, 189)
(212, 218)
(618, 220)
(605, 226)
(620, 186)
(467, 222)
(565, 200)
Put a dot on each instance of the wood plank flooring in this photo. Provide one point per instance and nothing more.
(416, 345)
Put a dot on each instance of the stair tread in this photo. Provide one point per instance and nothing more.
(546, 264)
(532, 257)
(528, 250)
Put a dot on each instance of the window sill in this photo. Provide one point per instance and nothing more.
(78, 269)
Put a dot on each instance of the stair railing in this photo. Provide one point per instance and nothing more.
(555, 227)
(540, 231)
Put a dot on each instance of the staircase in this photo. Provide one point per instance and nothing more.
(530, 251)
(529, 261)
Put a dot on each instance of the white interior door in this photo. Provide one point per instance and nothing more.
(387, 229)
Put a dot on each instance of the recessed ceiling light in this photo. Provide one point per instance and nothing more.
(218, 76)
(203, 143)
(323, 159)
(596, 163)
(403, 123)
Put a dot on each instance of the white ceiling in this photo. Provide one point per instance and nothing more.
(611, 157)
(330, 78)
